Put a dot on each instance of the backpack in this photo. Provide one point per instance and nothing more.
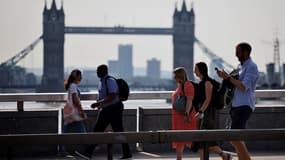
(218, 95)
(124, 90)
(223, 93)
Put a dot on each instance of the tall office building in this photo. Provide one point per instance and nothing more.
(283, 74)
(125, 61)
(113, 67)
(153, 68)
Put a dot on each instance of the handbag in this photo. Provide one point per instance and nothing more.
(70, 114)
(179, 103)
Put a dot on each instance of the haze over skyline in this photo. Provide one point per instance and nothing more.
(220, 24)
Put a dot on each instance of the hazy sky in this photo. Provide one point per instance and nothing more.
(220, 24)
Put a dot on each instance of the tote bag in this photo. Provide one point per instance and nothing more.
(70, 114)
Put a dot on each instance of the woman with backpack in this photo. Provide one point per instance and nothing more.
(182, 120)
(207, 110)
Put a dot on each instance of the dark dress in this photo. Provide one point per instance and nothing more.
(208, 122)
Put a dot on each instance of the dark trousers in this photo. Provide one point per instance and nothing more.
(112, 115)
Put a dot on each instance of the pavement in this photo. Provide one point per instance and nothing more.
(278, 155)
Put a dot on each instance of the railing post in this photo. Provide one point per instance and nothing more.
(110, 151)
(20, 106)
(139, 146)
(205, 151)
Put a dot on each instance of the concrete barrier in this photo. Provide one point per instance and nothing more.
(36, 122)
(30, 122)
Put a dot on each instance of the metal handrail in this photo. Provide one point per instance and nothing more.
(60, 97)
(20, 98)
(160, 136)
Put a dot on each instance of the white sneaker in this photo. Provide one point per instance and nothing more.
(83, 155)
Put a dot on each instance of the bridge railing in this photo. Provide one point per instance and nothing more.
(162, 136)
(20, 98)
(153, 137)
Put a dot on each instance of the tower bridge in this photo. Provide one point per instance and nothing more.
(54, 30)
(119, 30)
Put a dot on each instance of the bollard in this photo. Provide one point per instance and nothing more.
(20, 106)
(110, 151)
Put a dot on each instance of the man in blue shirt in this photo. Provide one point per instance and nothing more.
(243, 103)
(110, 110)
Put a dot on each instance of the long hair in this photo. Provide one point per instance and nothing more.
(180, 73)
(71, 78)
(202, 67)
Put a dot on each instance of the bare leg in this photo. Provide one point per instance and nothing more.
(201, 154)
(241, 150)
(220, 152)
(179, 152)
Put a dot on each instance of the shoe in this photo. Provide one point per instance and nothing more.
(226, 156)
(229, 156)
(126, 156)
(64, 154)
(85, 156)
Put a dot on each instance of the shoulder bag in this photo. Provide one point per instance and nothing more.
(179, 103)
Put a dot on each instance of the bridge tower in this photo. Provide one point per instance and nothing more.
(53, 38)
(183, 39)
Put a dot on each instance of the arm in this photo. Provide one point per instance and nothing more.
(237, 83)
(188, 104)
(112, 86)
(76, 102)
(108, 99)
(208, 91)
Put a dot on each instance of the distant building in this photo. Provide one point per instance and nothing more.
(153, 68)
(125, 61)
(283, 76)
(89, 77)
(273, 77)
(113, 66)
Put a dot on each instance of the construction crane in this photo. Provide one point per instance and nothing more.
(22, 54)
(216, 60)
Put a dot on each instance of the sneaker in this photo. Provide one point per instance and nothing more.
(85, 156)
(64, 154)
(126, 157)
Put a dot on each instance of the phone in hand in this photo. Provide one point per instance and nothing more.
(217, 69)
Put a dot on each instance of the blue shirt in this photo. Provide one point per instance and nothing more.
(112, 88)
(248, 75)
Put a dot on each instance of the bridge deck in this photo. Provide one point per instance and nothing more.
(166, 156)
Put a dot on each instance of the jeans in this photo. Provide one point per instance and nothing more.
(74, 127)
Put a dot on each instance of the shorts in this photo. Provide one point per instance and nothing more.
(239, 116)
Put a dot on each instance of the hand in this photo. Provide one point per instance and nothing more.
(187, 117)
(95, 105)
(222, 74)
(83, 114)
(199, 115)
(196, 115)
